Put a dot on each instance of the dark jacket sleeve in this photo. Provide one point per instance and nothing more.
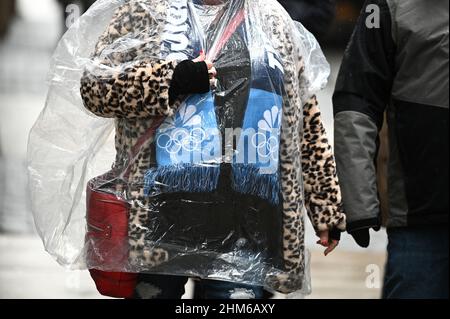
(362, 93)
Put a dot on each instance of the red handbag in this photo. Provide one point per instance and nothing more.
(107, 236)
(107, 242)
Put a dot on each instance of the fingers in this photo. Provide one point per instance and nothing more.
(213, 83)
(209, 64)
(327, 242)
(201, 57)
(212, 72)
(331, 247)
(324, 238)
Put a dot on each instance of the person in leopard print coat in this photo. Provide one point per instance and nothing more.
(138, 92)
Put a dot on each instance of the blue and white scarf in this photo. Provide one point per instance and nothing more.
(189, 150)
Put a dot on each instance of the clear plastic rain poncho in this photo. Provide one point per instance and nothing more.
(124, 180)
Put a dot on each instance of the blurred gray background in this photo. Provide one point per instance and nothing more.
(29, 31)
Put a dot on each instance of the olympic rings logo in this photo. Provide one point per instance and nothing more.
(178, 139)
(266, 146)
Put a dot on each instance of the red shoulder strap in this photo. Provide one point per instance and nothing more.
(227, 33)
(142, 139)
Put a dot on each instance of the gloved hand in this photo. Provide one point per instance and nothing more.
(192, 77)
(362, 236)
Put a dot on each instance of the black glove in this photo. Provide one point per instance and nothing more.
(189, 77)
(362, 236)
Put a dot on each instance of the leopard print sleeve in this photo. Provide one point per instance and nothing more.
(119, 83)
(138, 91)
(322, 192)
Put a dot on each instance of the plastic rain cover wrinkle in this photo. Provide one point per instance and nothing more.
(173, 193)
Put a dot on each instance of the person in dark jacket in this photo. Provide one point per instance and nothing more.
(398, 61)
(316, 16)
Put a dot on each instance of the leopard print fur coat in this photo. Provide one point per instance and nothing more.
(135, 92)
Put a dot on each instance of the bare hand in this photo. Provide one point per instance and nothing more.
(325, 241)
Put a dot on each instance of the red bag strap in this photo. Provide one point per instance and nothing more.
(141, 141)
(227, 33)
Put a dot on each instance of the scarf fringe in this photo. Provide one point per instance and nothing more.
(247, 179)
(188, 178)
